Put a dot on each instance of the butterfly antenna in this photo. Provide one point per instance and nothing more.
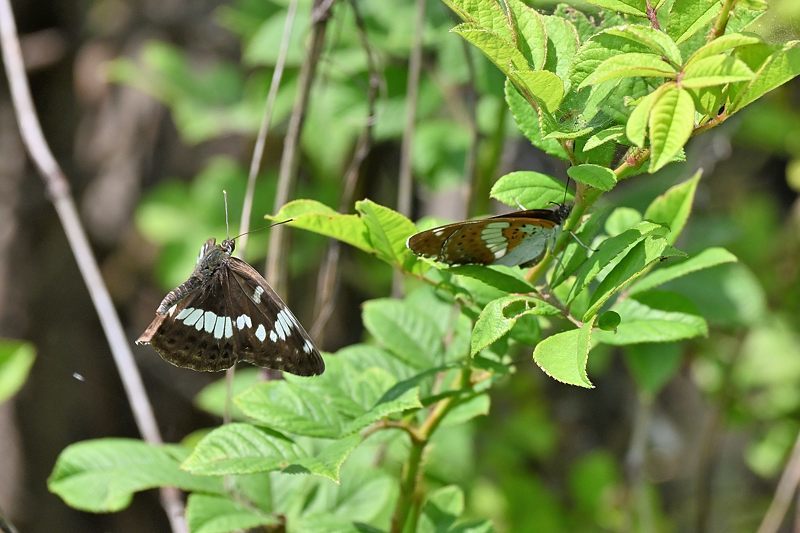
(566, 188)
(227, 227)
(264, 227)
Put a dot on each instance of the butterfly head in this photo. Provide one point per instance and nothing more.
(228, 245)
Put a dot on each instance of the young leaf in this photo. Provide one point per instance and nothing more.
(527, 120)
(657, 41)
(780, 67)
(219, 514)
(687, 17)
(543, 86)
(654, 317)
(673, 207)
(604, 136)
(317, 217)
(629, 7)
(562, 45)
(500, 51)
(102, 475)
(653, 365)
(601, 178)
(387, 232)
(16, 360)
(719, 69)
(708, 258)
(530, 32)
(244, 449)
(499, 316)
(671, 123)
(563, 356)
(723, 43)
(410, 336)
(609, 321)
(636, 127)
(529, 189)
(486, 14)
(629, 65)
(631, 267)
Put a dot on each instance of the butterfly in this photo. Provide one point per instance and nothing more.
(227, 312)
(518, 238)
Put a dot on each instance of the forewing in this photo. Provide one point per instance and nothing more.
(454, 244)
(268, 334)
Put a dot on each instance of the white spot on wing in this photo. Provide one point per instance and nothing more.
(438, 232)
(261, 332)
(209, 319)
(273, 336)
(228, 327)
(193, 317)
(171, 310)
(307, 346)
(242, 321)
(219, 327)
(257, 294)
(186, 311)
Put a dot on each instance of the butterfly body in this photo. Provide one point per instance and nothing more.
(518, 238)
(227, 312)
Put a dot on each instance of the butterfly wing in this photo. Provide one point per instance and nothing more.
(269, 334)
(235, 316)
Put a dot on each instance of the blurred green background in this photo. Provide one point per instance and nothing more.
(152, 109)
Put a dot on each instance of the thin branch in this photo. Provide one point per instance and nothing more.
(786, 490)
(652, 16)
(328, 279)
(278, 242)
(722, 20)
(263, 130)
(58, 190)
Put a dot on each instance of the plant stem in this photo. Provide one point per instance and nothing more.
(722, 20)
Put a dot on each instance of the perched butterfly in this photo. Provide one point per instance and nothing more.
(518, 238)
(226, 312)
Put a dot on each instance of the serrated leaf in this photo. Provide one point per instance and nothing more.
(629, 7)
(219, 514)
(719, 69)
(563, 356)
(673, 207)
(604, 136)
(629, 65)
(482, 13)
(562, 45)
(16, 360)
(671, 123)
(632, 266)
(499, 316)
(687, 17)
(530, 32)
(654, 317)
(636, 127)
(410, 336)
(653, 365)
(506, 279)
(657, 41)
(498, 49)
(543, 86)
(708, 258)
(601, 178)
(527, 119)
(387, 232)
(102, 475)
(529, 189)
(723, 43)
(244, 449)
(780, 67)
(317, 217)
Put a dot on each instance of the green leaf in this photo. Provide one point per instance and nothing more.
(671, 123)
(387, 232)
(244, 449)
(723, 43)
(441, 510)
(719, 69)
(530, 32)
(527, 120)
(708, 258)
(409, 335)
(631, 267)
(657, 41)
(16, 360)
(780, 67)
(609, 253)
(609, 321)
(622, 219)
(506, 279)
(629, 7)
(499, 316)
(484, 14)
(654, 317)
(318, 218)
(601, 178)
(636, 127)
(529, 189)
(467, 410)
(220, 514)
(102, 475)
(687, 17)
(604, 136)
(499, 49)
(563, 356)
(562, 44)
(213, 397)
(653, 365)
(542, 85)
(629, 65)
(673, 207)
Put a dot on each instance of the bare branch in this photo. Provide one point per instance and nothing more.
(787, 488)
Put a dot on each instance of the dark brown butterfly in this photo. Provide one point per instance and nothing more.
(518, 238)
(226, 312)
